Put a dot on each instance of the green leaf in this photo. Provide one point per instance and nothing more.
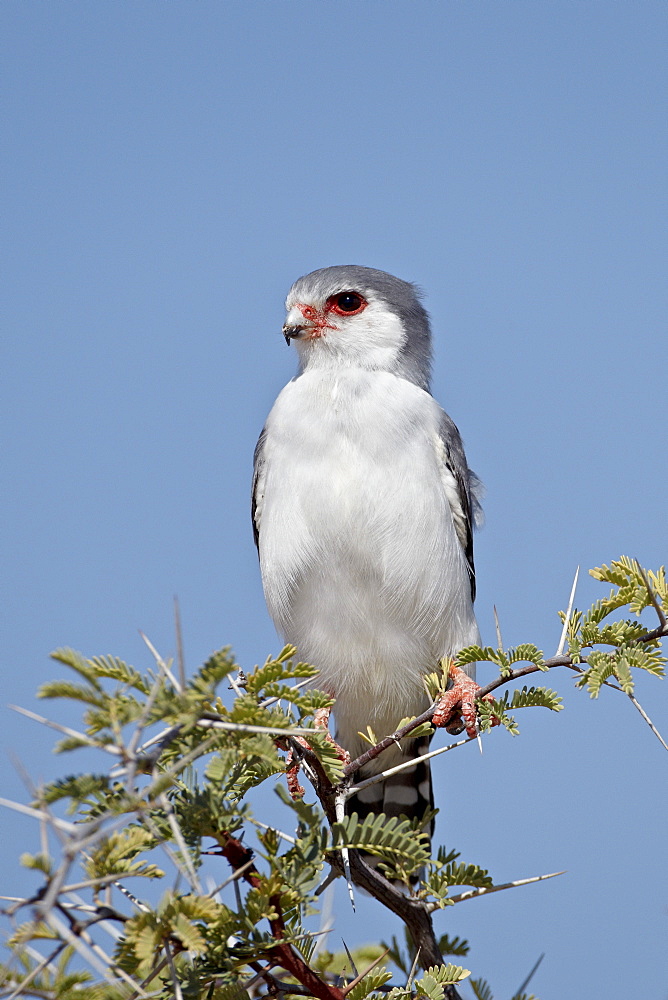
(529, 653)
(536, 697)
(190, 936)
(432, 982)
(453, 946)
(116, 669)
(218, 666)
(372, 981)
(33, 930)
(38, 862)
(481, 654)
(279, 668)
(385, 837)
(481, 989)
(310, 816)
(115, 855)
(425, 729)
(327, 753)
(438, 882)
(77, 662)
(78, 787)
(496, 710)
(90, 694)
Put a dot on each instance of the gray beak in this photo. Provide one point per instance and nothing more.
(290, 332)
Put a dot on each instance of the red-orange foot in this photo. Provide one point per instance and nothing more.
(457, 704)
(320, 721)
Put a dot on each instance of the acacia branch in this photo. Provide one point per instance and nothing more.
(554, 661)
(282, 953)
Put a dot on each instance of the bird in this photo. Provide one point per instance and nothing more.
(363, 509)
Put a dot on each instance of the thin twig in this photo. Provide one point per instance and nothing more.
(295, 687)
(485, 890)
(652, 596)
(647, 719)
(231, 878)
(155, 971)
(172, 969)
(65, 934)
(28, 783)
(260, 975)
(131, 750)
(382, 775)
(180, 840)
(167, 735)
(241, 727)
(351, 985)
(530, 976)
(162, 664)
(101, 880)
(103, 913)
(414, 967)
(264, 826)
(67, 731)
(36, 971)
(40, 814)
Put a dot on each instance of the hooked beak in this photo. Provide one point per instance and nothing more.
(292, 333)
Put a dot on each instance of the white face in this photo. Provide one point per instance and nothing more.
(346, 327)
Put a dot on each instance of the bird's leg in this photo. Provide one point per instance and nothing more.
(320, 721)
(292, 774)
(457, 704)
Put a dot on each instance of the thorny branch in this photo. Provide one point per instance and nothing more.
(282, 953)
(555, 661)
(414, 912)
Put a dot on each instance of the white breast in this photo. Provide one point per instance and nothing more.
(361, 564)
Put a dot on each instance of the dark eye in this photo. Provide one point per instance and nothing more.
(347, 303)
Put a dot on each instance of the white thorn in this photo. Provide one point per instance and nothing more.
(340, 807)
(484, 890)
(567, 619)
(499, 640)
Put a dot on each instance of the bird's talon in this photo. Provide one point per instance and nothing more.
(456, 708)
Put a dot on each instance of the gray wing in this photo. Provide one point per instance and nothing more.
(462, 488)
(257, 488)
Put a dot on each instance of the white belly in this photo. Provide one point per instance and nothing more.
(361, 565)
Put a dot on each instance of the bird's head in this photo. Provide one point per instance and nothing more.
(359, 317)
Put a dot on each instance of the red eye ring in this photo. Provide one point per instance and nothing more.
(346, 303)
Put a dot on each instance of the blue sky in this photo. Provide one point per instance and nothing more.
(168, 170)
